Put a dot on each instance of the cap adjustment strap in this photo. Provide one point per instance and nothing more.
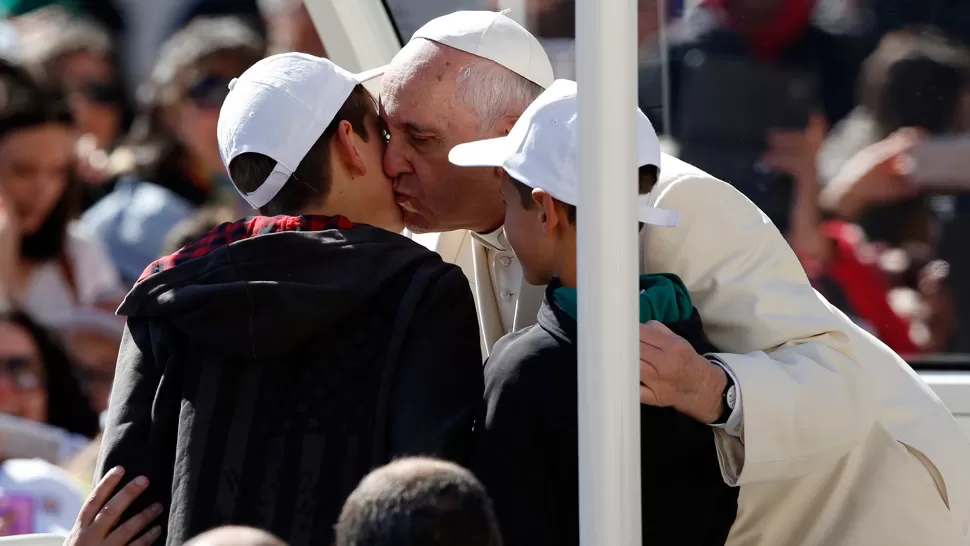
(268, 189)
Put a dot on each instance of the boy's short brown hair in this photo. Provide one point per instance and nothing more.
(311, 181)
(648, 175)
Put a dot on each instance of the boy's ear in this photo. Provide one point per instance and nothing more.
(546, 206)
(345, 141)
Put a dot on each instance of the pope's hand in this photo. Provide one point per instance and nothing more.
(672, 374)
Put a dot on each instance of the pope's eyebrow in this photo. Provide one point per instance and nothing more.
(417, 128)
(410, 126)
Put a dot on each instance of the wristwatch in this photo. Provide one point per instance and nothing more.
(729, 399)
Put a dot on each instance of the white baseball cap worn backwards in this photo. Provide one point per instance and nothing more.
(280, 107)
(541, 150)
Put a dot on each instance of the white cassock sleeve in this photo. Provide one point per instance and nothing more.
(805, 401)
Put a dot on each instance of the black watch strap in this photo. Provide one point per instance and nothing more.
(728, 400)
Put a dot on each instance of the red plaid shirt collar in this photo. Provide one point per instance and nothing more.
(231, 232)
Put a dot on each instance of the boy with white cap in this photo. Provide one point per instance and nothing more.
(531, 391)
(269, 365)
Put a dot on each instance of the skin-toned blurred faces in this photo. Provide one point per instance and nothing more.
(23, 385)
(34, 166)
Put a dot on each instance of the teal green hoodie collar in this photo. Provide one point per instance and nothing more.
(663, 297)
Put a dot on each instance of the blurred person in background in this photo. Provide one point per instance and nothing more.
(418, 502)
(92, 338)
(75, 55)
(38, 385)
(290, 28)
(918, 80)
(194, 227)
(914, 87)
(649, 24)
(139, 27)
(770, 31)
(82, 465)
(37, 381)
(173, 140)
(170, 161)
(833, 254)
(36, 497)
(148, 24)
(952, 17)
(843, 16)
(757, 43)
(48, 265)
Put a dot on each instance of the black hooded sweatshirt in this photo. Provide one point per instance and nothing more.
(268, 366)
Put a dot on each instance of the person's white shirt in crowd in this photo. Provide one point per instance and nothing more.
(37, 497)
(50, 294)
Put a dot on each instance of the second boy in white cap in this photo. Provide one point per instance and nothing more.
(269, 365)
(526, 452)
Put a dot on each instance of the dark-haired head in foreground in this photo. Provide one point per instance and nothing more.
(418, 502)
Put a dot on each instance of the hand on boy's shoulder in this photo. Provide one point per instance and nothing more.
(673, 374)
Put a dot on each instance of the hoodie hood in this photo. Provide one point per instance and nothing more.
(259, 287)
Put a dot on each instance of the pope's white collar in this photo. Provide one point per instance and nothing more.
(495, 240)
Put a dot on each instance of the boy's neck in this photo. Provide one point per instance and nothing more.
(566, 266)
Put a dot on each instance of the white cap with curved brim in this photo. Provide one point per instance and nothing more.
(280, 107)
(541, 150)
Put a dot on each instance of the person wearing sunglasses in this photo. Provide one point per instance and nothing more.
(37, 388)
(22, 378)
(36, 378)
(171, 157)
(77, 56)
(180, 106)
(47, 265)
(92, 337)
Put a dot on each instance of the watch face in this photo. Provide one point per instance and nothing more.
(732, 396)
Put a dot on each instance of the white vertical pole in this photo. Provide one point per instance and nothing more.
(609, 413)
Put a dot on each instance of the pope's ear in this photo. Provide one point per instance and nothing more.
(507, 123)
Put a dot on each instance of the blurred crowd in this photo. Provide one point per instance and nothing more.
(842, 119)
(844, 122)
